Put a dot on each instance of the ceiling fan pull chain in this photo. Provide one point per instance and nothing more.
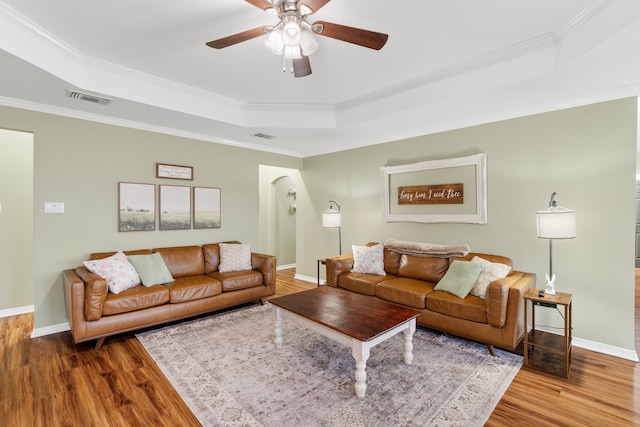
(284, 63)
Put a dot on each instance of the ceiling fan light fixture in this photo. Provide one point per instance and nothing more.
(291, 33)
(308, 43)
(292, 52)
(274, 42)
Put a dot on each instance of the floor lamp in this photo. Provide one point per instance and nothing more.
(555, 222)
(331, 219)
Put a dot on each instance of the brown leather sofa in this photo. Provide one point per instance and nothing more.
(496, 320)
(95, 313)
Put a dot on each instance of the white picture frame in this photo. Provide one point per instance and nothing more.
(470, 170)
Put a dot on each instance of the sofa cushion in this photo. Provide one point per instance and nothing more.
(406, 291)
(135, 298)
(116, 270)
(192, 288)
(469, 308)
(183, 261)
(391, 261)
(234, 257)
(423, 268)
(235, 280)
(360, 283)
(151, 269)
(490, 271)
(368, 260)
(460, 278)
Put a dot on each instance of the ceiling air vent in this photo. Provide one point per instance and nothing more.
(263, 135)
(90, 98)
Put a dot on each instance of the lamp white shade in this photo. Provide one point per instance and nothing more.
(556, 223)
(331, 218)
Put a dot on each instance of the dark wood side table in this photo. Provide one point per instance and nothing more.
(322, 261)
(544, 350)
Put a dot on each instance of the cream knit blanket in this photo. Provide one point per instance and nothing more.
(427, 249)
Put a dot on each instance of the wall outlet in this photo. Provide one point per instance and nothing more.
(53, 207)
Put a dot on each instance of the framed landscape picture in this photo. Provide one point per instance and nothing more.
(206, 207)
(175, 207)
(136, 207)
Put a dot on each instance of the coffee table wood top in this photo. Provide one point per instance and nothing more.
(362, 317)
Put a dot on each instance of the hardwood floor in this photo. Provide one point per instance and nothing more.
(49, 381)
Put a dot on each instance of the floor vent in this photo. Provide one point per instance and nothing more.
(90, 98)
(263, 135)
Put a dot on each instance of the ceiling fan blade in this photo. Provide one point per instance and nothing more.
(364, 38)
(263, 4)
(301, 67)
(238, 38)
(314, 5)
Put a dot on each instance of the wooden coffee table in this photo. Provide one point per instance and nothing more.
(355, 320)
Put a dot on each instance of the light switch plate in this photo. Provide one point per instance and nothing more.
(53, 207)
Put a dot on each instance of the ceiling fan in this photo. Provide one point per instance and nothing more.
(292, 37)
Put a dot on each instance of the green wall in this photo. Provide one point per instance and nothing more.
(80, 163)
(587, 155)
(16, 220)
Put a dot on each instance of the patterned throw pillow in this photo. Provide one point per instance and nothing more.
(368, 260)
(116, 270)
(490, 271)
(234, 257)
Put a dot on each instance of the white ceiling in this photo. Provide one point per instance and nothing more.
(447, 64)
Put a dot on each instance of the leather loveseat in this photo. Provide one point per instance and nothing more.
(410, 280)
(93, 312)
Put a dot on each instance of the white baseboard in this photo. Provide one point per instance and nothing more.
(308, 279)
(610, 350)
(285, 267)
(48, 330)
(16, 311)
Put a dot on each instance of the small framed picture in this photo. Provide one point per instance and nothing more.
(164, 170)
(206, 207)
(136, 207)
(175, 207)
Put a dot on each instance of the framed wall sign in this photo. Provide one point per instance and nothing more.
(175, 207)
(206, 207)
(174, 171)
(136, 207)
(448, 190)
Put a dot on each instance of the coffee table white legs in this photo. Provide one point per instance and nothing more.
(361, 351)
(408, 343)
(278, 331)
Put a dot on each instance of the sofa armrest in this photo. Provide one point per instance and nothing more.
(95, 293)
(336, 266)
(504, 297)
(74, 294)
(266, 264)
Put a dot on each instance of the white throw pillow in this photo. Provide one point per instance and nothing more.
(368, 260)
(116, 270)
(234, 257)
(490, 271)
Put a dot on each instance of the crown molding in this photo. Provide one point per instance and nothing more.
(99, 118)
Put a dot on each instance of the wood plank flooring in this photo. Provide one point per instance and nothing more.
(49, 381)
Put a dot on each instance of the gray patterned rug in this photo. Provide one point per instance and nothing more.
(227, 369)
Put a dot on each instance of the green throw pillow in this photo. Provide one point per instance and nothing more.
(459, 278)
(151, 269)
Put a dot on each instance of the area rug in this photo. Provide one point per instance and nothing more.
(229, 372)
